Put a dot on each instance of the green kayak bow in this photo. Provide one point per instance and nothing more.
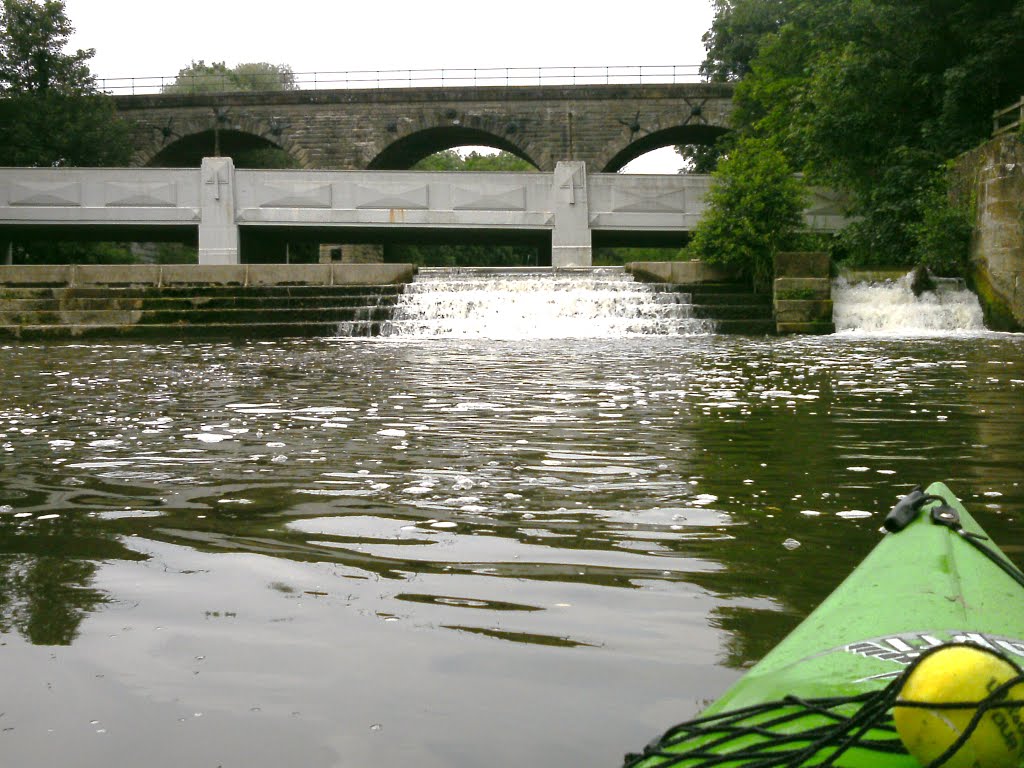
(824, 695)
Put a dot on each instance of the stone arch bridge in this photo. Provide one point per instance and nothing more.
(605, 126)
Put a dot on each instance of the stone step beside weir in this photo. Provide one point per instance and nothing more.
(800, 301)
(256, 301)
(731, 306)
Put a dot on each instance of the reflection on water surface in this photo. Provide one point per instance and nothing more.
(340, 552)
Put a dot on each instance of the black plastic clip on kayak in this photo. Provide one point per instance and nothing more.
(945, 515)
(905, 511)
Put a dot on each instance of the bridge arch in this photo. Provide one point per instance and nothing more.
(183, 142)
(629, 146)
(416, 144)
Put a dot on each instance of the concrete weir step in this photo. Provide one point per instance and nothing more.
(261, 301)
(211, 291)
(734, 308)
(156, 304)
(198, 331)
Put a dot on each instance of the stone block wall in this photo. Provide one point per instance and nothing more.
(993, 175)
(803, 293)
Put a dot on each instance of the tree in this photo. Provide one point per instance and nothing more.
(703, 158)
(50, 111)
(200, 77)
(451, 160)
(32, 40)
(871, 96)
(736, 34)
(754, 209)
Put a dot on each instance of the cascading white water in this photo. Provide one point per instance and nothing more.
(539, 304)
(890, 306)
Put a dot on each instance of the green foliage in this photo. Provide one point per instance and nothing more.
(200, 77)
(32, 58)
(736, 34)
(943, 235)
(871, 95)
(267, 158)
(451, 160)
(50, 111)
(59, 252)
(703, 158)
(754, 209)
(56, 129)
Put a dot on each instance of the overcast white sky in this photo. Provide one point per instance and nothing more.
(142, 39)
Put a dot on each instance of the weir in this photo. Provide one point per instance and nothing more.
(891, 307)
(533, 304)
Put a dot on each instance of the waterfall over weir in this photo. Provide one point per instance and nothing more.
(523, 303)
(890, 307)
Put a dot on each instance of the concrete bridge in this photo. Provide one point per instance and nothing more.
(604, 126)
(565, 212)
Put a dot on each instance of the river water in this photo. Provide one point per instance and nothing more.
(450, 551)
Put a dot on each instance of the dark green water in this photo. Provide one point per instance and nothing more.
(449, 553)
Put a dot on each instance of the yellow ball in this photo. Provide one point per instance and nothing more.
(961, 673)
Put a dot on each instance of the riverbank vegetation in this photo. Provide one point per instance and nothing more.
(218, 77)
(871, 97)
(51, 113)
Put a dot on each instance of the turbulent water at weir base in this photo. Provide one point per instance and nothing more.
(524, 303)
(605, 303)
(892, 307)
(450, 552)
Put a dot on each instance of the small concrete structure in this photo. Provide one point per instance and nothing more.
(570, 208)
(803, 293)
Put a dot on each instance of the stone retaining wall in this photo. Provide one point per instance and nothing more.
(993, 175)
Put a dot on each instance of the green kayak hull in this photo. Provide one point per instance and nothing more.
(921, 587)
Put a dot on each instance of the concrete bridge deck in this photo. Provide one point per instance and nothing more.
(569, 208)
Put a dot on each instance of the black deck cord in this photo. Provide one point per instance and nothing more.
(907, 509)
(845, 733)
(946, 515)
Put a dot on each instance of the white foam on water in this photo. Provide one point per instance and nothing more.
(539, 304)
(890, 307)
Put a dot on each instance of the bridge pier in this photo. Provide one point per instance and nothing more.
(571, 239)
(218, 231)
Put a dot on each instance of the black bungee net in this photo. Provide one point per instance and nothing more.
(770, 735)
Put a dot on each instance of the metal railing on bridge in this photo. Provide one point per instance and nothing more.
(1009, 119)
(225, 82)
